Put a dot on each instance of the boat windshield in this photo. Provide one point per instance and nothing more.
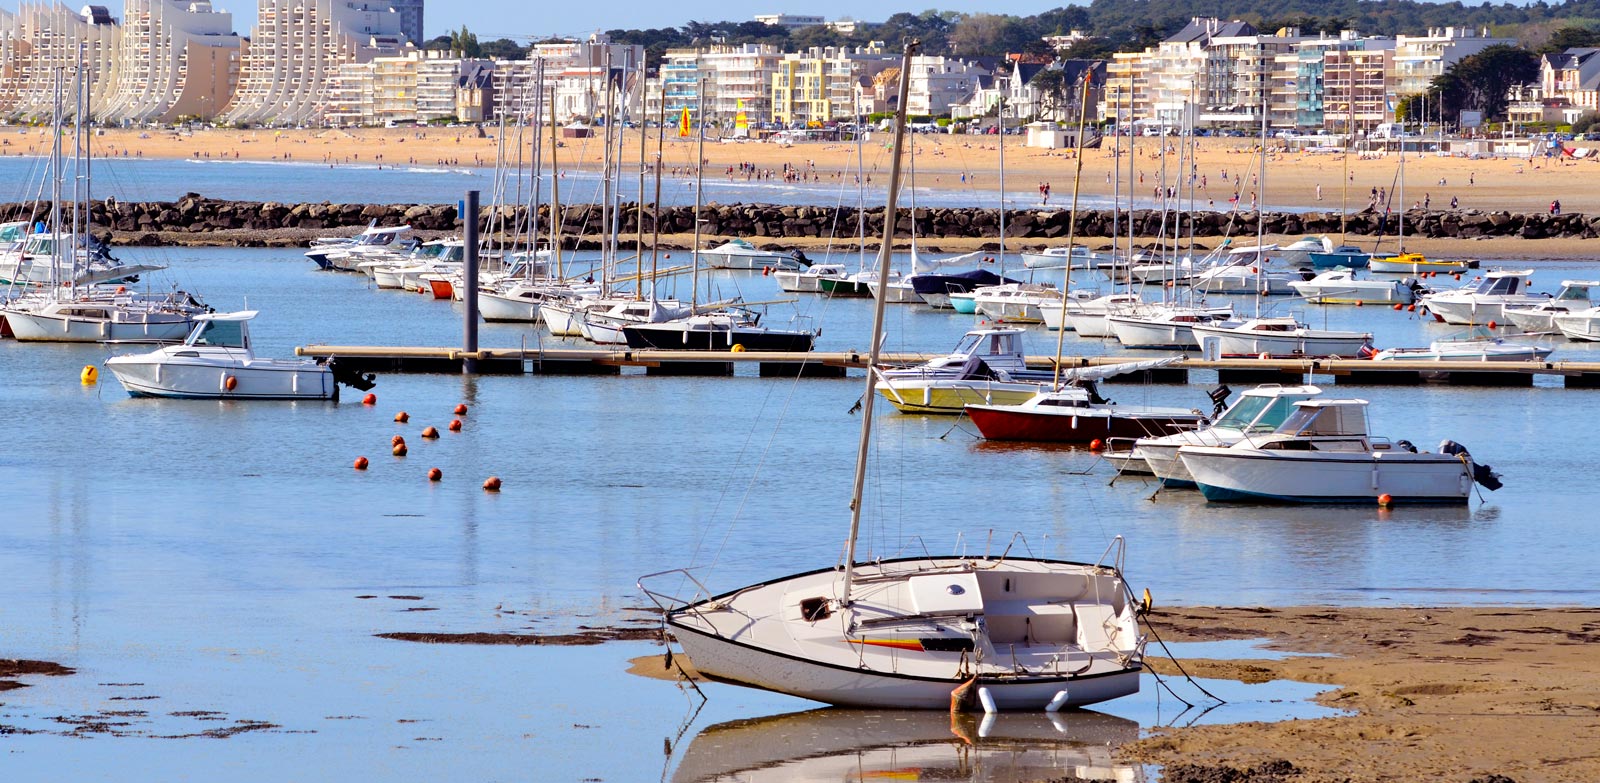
(1575, 292)
(226, 334)
(1257, 414)
(1497, 285)
(1331, 420)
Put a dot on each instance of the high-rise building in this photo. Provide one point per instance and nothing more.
(43, 42)
(177, 58)
(298, 45)
(410, 12)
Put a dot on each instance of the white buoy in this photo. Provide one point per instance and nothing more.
(987, 700)
(1058, 702)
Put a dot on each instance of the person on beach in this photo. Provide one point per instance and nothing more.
(1319, 191)
(1555, 207)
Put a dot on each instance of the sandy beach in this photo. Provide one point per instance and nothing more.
(970, 163)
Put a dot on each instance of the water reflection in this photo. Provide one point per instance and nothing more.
(837, 745)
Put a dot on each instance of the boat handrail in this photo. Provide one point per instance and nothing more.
(657, 597)
(1117, 545)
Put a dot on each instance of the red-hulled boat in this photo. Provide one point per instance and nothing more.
(1076, 414)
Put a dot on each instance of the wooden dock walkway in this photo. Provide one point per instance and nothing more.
(822, 364)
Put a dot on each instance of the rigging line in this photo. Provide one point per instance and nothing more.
(1175, 662)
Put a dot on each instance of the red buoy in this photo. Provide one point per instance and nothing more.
(1399, 306)
(396, 440)
(370, 399)
(1096, 444)
(399, 450)
(461, 409)
(434, 474)
(1384, 501)
(1493, 325)
(230, 383)
(491, 484)
(402, 417)
(360, 464)
(455, 425)
(429, 432)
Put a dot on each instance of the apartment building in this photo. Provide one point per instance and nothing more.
(1418, 59)
(176, 58)
(41, 42)
(1358, 86)
(791, 21)
(1568, 88)
(820, 84)
(938, 83)
(739, 79)
(297, 48)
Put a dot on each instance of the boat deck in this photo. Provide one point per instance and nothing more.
(835, 364)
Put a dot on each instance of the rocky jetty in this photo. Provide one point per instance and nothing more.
(197, 220)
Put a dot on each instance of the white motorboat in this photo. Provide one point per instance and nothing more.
(739, 254)
(1574, 295)
(1257, 411)
(1347, 256)
(1169, 327)
(1580, 325)
(520, 302)
(1056, 316)
(604, 326)
(370, 245)
(1243, 271)
(1322, 453)
(102, 316)
(1340, 286)
(806, 281)
(900, 291)
(1014, 302)
(1278, 337)
(1017, 632)
(1476, 350)
(987, 366)
(1297, 254)
(217, 361)
(1484, 300)
(1078, 256)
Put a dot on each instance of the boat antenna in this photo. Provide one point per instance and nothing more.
(1072, 220)
(556, 217)
(885, 256)
(699, 185)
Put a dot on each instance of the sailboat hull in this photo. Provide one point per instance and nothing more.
(40, 327)
(1234, 474)
(498, 308)
(951, 397)
(668, 338)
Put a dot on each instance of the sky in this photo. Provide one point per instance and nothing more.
(496, 18)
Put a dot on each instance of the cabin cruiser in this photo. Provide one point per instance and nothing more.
(987, 366)
(1322, 453)
(1297, 254)
(1340, 286)
(1078, 256)
(1347, 256)
(1580, 325)
(808, 280)
(372, 244)
(739, 254)
(1257, 411)
(936, 289)
(1243, 272)
(217, 361)
(1014, 302)
(1080, 307)
(1574, 295)
(1278, 337)
(1484, 300)
(1076, 413)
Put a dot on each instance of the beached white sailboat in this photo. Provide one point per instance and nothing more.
(1019, 633)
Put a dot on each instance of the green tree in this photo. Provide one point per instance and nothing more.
(1480, 82)
(465, 43)
(1571, 38)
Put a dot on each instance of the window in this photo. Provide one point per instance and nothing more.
(227, 334)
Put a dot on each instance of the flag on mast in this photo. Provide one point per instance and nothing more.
(685, 125)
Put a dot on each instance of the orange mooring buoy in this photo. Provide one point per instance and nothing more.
(461, 409)
(1493, 325)
(360, 464)
(396, 440)
(370, 399)
(491, 484)
(1384, 501)
(230, 382)
(434, 474)
(402, 417)
(429, 432)
(1096, 444)
(455, 425)
(1399, 306)
(399, 449)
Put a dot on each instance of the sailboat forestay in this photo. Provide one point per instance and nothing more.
(917, 632)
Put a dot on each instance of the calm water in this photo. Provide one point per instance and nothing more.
(211, 555)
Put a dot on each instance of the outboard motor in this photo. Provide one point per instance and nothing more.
(1219, 399)
(800, 255)
(350, 377)
(1483, 474)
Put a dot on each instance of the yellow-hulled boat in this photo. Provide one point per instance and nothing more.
(1414, 263)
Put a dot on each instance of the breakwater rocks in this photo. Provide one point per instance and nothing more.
(197, 220)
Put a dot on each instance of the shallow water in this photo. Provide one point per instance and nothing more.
(215, 552)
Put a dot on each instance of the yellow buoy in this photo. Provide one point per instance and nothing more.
(1147, 602)
(90, 375)
(737, 348)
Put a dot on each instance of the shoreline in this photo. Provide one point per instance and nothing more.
(1436, 693)
(959, 163)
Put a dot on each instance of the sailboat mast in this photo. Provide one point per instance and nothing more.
(556, 218)
(1000, 120)
(638, 243)
(699, 184)
(1400, 214)
(861, 184)
(77, 168)
(1261, 188)
(1132, 141)
(55, 185)
(1116, 187)
(1072, 223)
(655, 222)
(538, 180)
(885, 254)
(1349, 141)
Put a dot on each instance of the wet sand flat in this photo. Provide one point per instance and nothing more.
(1443, 694)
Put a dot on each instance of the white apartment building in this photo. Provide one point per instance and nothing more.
(938, 83)
(1418, 59)
(177, 58)
(739, 78)
(41, 40)
(297, 48)
(820, 84)
(791, 21)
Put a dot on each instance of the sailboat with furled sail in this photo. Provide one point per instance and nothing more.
(917, 632)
